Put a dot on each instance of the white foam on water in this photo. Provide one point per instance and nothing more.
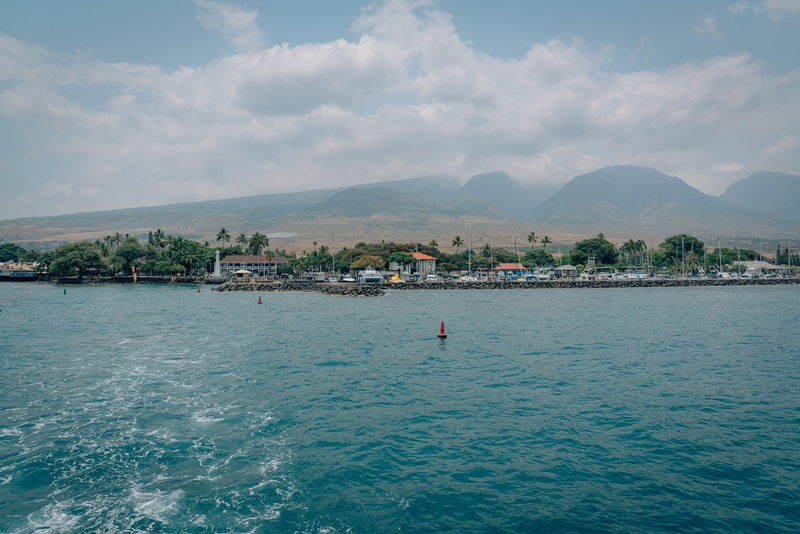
(6, 480)
(156, 505)
(125, 341)
(204, 420)
(200, 521)
(270, 467)
(4, 432)
(52, 519)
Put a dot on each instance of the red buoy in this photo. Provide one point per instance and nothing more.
(198, 289)
(259, 299)
(442, 335)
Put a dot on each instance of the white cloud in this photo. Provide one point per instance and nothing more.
(708, 26)
(738, 8)
(238, 25)
(407, 98)
(779, 10)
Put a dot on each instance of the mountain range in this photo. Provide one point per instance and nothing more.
(621, 200)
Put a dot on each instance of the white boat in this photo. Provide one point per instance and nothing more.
(348, 278)
(370, 275)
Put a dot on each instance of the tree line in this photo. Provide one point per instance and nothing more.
(166, 254)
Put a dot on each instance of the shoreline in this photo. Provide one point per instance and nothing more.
(381, 289)
(376, 290)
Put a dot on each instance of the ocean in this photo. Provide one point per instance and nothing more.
(160, 409)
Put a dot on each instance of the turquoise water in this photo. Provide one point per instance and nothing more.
(160, 409)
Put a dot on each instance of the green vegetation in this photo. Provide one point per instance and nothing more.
(170, 255)
(11, 252)
(79, 259)
(161, 255)
(602, 249)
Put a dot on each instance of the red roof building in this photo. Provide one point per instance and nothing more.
(425, 264)
(510, 267)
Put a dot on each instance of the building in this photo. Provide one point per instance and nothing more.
(510, 268)
(425, 264)
(18, 272)
(257, 265)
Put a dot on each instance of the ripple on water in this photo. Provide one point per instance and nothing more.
(543, 410)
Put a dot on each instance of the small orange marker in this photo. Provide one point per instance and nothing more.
(442, 335)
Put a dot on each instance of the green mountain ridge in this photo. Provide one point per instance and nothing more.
(770, 192)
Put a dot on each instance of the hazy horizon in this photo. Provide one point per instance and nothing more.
(118, 106)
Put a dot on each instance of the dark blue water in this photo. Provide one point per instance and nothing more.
(159, 409)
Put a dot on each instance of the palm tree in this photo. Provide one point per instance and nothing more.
(257, 242)
(117, 238)
(158, 238)
(242, 241)
(223, 236)
(532, 239)
(103, 248)
(457, 242)
(433, 244)
(193, 256)
(545, 240)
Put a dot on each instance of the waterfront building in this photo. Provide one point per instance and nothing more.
(425, 264)
(18, 272)
(510, 268)
(257, 265)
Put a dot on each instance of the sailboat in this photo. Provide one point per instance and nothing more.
(469, 277)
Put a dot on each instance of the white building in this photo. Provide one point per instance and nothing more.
(257, 265)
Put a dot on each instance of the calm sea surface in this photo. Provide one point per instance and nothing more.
(160, 409)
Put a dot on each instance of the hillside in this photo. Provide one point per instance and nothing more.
(620, 201)
(771, 192)
(640, 199)
(502, 191)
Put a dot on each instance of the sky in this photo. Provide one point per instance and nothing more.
(109, 105)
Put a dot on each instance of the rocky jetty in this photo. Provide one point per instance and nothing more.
(651, 282)
(343, 290)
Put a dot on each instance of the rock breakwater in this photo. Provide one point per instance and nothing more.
(343, 290)
(591, 284)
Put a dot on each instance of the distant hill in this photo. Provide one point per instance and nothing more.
(411, 186)
(629, 198)
(771, 192)
(621, 200)
(496, 190)
(368, 202)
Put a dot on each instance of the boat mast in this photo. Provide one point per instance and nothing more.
(738, 257)
(491, 259)
(469, 246)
